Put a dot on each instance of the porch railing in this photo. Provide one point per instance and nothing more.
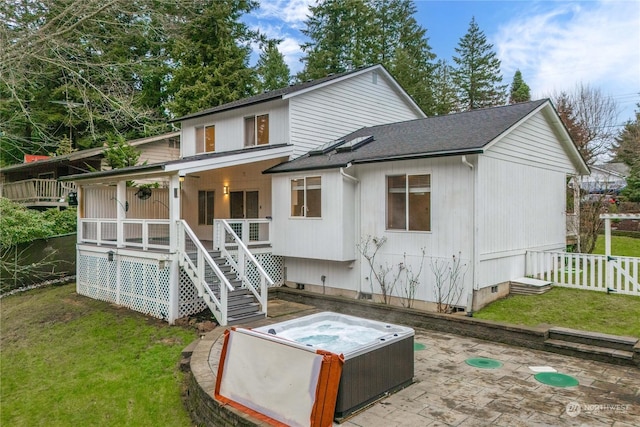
(138, 233)
(585, 271)
(37, 191)
(210, 281)
(233, 247)
(252, 232)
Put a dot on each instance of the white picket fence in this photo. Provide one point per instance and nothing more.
(585, 271)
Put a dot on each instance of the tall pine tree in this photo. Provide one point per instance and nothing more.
(444, 91)
(212, 57)
(348, 34)
(519, 91)
(477, 74)
(273, 72)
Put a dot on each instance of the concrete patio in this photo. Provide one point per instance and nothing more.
(449, 392)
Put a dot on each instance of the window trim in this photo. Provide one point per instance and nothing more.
(201, 146)
(257, 136)
(406, 202)
(305, 189)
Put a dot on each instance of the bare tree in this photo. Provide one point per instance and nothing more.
(590, 117)
(70, 68)
(383, 274)
(449, 282)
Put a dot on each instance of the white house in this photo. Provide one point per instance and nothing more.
(152, 250)
(295, 186)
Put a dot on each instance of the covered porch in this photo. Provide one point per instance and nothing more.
(193, 235)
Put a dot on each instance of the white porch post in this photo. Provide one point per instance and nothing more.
(174, 276)
(121, 202)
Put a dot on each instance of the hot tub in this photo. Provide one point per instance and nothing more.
(378, 356)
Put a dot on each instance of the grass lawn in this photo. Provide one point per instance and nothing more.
(68, 360)
(570, 308)
(620, 245)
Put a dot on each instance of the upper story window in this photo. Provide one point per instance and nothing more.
(306, 197)
(409, 202)
(256, 130)
(205, 139)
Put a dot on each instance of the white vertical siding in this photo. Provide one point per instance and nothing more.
(521, 207)
(533, 143)
(331, 112)
(230, 127)
(309, 244)
(331, 237)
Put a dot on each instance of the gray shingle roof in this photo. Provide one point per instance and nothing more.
(268, 96)
(460, 133)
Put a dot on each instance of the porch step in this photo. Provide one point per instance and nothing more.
(593, 345)
(246, 318)
(594, 352)
(528, 286)
(593, 339)
(243, 309)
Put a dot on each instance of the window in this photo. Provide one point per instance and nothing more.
(205, 207)
(306, 197)
(205, 139)
(256, 130)
(409, 202)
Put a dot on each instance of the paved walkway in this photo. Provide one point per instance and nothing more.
(448, 392)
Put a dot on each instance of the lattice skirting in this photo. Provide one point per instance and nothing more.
(190, 302)
(142, 287)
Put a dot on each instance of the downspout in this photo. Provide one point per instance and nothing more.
(474, 255)
(357, 225)
(349, 177)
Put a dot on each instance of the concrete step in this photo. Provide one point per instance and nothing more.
(593, 352)
(593, 339)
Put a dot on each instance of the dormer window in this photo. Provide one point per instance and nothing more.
(205, 139)
(256, 130)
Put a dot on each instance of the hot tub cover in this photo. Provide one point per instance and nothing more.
(278, 381)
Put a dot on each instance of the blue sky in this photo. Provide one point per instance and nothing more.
(555, 44)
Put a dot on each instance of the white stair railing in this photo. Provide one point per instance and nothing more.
(199, 265)
(224, 238)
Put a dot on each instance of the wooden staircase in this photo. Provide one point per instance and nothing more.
(243, 307)
(592, 345)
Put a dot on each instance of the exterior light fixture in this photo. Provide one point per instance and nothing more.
(225, 189)
(181, 178)
(110, 256)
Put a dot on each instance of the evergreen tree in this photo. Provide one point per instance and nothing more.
(340, 39)
(444, 91)
(477, 72)
(348, 34)
(273, 72)
(519, 91)
(627, 145)
(212, 54)
(627, 150)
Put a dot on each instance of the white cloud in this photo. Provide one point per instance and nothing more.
(596, 43)
(292, 12)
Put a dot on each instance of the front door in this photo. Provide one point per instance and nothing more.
(244, 204)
